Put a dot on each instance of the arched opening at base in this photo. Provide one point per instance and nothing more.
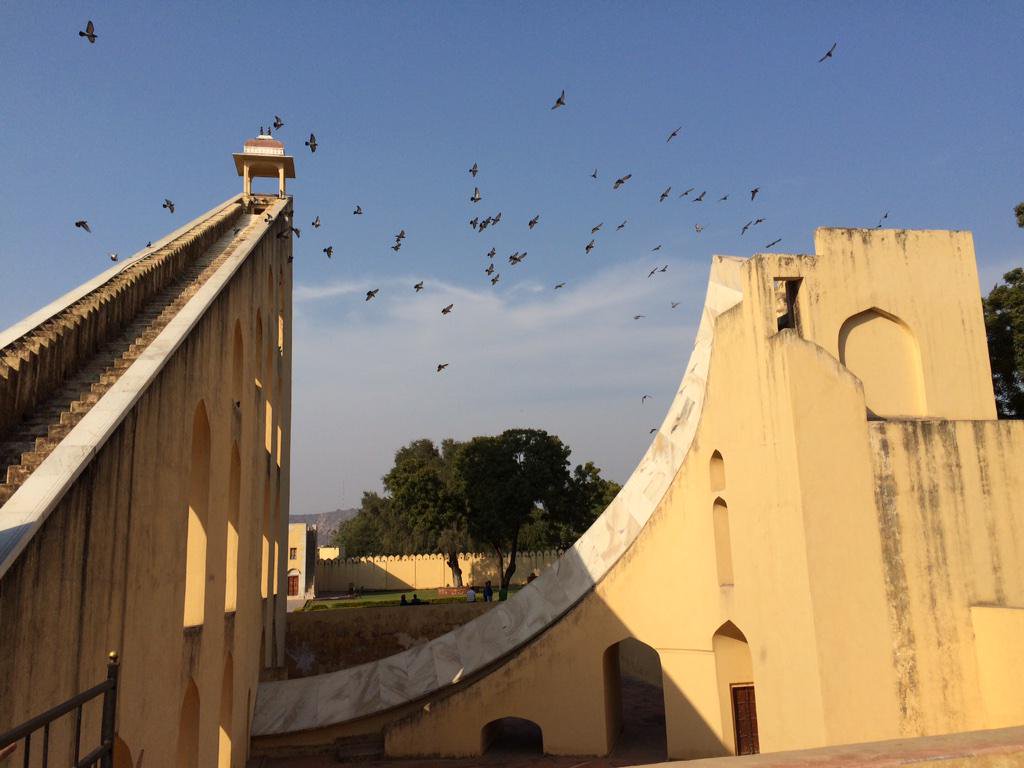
(736, 690)
(635, 702)
(511, 736)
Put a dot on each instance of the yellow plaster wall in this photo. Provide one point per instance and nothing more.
(106, 570)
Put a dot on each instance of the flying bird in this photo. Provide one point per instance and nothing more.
(358, 211)
(877, 226)
(637, 317)
(828, 53)
(490, 253)
(699, 228)
(489, 270)
(664, 269)
(267, 218)
(651, 273)
(589, 247)
(700, 198)
(316, 223)
(623, 224)
(773, 243)
(495, 279)
(559, 285)
(496, 219)
(560, 101)
(747, 226)
(758, 221)
(664, 195)
(397, 246)
(656, 248)
(418, 287)
(673, 134)
(441, 366)
(237, 230)
(371, 294)
(83, 224)
(90, 32)
(533, 221)
(329, 250)
(474, 222)
(296, 231)
(653, 430)
(400, 235)
(753, 193)
(474, 171)
(278, 123)
(475, 198)
(619, 182)
(675, 304)
(113, 255)
(594, 174)
(644, 399)
(684, 194)
(723, 198)
(312, 142)
(594, 230)
(168, 204)
(447, 309)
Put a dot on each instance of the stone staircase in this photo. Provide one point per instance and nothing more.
(43, 426)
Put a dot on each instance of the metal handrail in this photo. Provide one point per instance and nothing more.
(104, 753)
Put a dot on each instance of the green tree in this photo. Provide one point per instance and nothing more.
(428, 501)
(1019, 210)
(590, 495)
(506, 479)
(1004, 326)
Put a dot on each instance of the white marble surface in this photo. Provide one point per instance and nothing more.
(31, 504)
(312, 702)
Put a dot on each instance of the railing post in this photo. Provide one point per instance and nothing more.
(109, 712)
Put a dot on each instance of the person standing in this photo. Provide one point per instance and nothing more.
(488, 592)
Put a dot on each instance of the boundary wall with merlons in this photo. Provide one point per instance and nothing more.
(384, 572)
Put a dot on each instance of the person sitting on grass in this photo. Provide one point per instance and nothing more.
(415, 600)
(403, 601)
(470, 595)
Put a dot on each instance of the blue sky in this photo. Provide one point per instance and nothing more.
(920, 113)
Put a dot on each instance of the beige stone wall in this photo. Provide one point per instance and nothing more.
(421, 571)
(107, 570)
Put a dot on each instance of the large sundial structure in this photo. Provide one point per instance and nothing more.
(144, 444)
(824, 543)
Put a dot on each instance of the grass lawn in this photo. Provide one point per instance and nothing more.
(388, 598)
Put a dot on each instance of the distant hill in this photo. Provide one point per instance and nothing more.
(326, 523)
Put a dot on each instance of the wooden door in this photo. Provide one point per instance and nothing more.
(293, 585)
(744, 714)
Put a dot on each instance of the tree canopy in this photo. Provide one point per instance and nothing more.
(510, 492)
(1004, 326)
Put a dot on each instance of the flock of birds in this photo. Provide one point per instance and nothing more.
(481, 223)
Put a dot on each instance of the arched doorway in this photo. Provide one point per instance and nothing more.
(635, 702)
(198, 501)
(735, 673)
(511, 736)
(880, 350)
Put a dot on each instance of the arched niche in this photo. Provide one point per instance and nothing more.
(227, 692)
(198, 502)
(735, 673)
(716, 471)
(231, 558)
(265, 552)
(188, 728)
(237, 363)
(723, 542)
(881, 350)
